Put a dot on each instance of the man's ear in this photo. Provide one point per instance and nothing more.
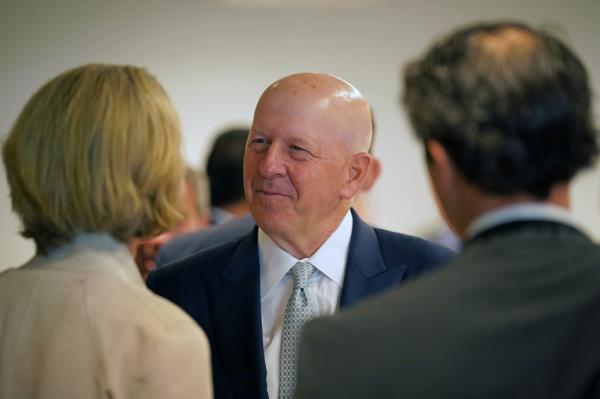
(446, 181)
(372, 174)
(357, 174)
(440, 166)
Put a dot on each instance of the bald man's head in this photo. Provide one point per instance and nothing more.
(306, 158)
(335, 99)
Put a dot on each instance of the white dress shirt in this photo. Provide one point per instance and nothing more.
(276, 285)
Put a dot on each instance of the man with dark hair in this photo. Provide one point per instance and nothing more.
(225, 170)
(230, 215)
(504, 115)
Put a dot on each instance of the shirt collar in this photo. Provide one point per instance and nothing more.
(330, 258)
(524, 211)
(100, 246)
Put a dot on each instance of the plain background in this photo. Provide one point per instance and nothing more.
(216, 57)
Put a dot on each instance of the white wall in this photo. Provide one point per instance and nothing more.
(215, 61)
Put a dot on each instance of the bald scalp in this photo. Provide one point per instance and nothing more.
(341, 104)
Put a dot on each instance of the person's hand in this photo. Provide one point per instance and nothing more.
(146, 251)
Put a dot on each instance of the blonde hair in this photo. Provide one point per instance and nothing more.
(96, 149)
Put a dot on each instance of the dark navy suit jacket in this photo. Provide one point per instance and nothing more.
(220, 289)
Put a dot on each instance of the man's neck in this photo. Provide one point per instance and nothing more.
(303, 244)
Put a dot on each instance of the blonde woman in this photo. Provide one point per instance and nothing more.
(94, 163)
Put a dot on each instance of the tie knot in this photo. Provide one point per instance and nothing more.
(301, 273)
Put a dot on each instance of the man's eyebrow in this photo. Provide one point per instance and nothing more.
(310, 145)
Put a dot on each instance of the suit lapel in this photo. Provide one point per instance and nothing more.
(237, 321)
(366, 271)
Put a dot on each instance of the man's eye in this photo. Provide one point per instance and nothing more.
(298, 149)
(299, 153)
(259, 144)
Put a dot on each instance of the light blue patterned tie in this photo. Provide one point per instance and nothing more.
(297, 312)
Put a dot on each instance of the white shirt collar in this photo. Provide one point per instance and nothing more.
(523, 211)
(330, 258)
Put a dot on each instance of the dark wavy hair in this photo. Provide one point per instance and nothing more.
(511, 105)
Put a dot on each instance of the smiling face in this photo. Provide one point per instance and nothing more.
(299, 165)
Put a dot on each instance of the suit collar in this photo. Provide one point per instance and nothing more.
(512, 227)
(366, 270)
(102, 253)
(525, 211)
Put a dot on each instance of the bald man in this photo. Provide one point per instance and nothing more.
(306, 158)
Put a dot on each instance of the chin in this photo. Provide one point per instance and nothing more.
(272, 221)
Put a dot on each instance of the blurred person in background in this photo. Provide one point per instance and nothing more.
(195, 207)
(505, 118)
(225, 171)
(230, 215)
(94, 163)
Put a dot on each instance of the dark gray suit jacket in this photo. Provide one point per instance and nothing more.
(516, 315)
(220, 289)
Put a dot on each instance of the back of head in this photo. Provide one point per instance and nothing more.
(225, 167)
(511, 105)
(96, 149)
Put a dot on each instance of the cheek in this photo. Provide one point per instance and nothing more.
(317, 187)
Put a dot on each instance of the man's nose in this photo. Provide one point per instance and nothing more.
(274, 162)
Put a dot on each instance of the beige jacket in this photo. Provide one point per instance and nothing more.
(79, 323)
